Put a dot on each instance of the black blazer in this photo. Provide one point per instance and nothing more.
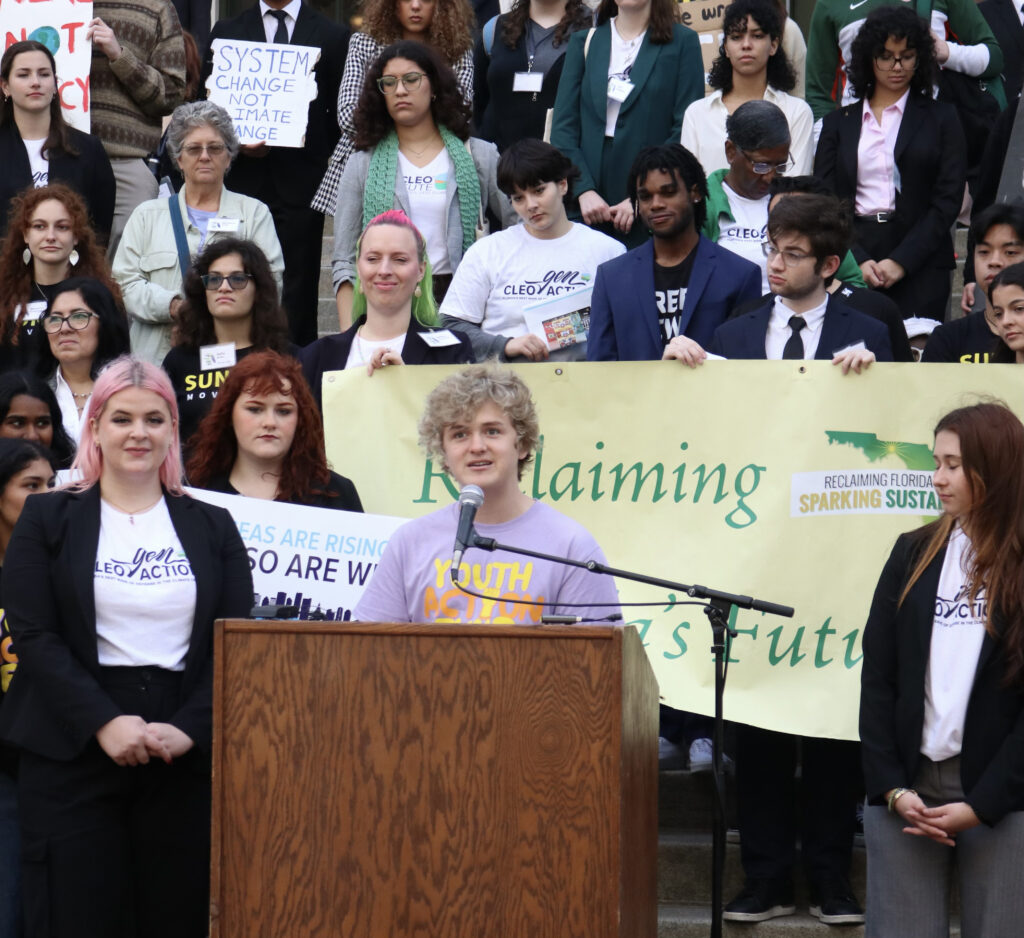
(897, 643)
(89, 174)
(331, 353)
(288, 174)
(1002, 18)
(55, 703)
(931, 157)
(743, 337)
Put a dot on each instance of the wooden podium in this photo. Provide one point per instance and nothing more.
(437, 781)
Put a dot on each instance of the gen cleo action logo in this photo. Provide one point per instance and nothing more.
(866, 491)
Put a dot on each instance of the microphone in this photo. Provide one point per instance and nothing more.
(470, 499)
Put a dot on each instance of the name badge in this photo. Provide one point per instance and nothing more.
(619, 88)
(439, 338)
(224, 224)
(217, 356)
(528, 81)
(33, 312)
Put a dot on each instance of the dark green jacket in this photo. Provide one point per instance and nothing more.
(666, 79)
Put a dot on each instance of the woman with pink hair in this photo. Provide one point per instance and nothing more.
(111, 586)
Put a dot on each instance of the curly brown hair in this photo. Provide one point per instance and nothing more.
(447, 106)
(214, 447)
(195, 326)
(16, 277)
(577, 16)
(450, 32)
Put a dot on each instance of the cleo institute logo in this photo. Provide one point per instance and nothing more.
(900, 485)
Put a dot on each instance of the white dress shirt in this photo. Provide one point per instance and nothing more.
(270, 22)
(778, 333)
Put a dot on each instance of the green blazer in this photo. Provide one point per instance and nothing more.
(666, 80)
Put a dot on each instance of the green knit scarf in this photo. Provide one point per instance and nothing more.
(379, 195)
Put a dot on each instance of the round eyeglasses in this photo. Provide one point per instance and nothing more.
(410, 82)
(763, 169)
(236, 281)
(77, 319)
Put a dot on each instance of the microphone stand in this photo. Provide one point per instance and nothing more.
(718, 610)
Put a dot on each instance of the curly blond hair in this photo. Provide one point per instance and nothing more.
(461, 395)
(450, 32)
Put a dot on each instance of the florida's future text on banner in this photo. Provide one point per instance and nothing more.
(315, 558)
(785, 481)
(266, 87)
(60, 25)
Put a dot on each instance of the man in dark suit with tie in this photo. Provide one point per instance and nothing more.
(807, 237)
(286, 178)
(678, 283)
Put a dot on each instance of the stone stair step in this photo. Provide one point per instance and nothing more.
(694, 921)
(684, 869)
(686, 800)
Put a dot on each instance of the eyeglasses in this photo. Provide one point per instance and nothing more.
(196, 150)
(763, 169)
(789, 258)
(76, 319)
(888, 61)
(236, 281)
(410, 82)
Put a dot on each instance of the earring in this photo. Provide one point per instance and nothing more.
(418, 291)
(26, 256)
(73, 257)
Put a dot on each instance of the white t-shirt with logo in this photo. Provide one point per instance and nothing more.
(744, 235)
(38, 163)
(144, 590)
(510, 269)
(427, 187)
(958, 630)
(361, 350)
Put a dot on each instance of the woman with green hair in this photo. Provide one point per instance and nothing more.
(393, 309)
(414, 153)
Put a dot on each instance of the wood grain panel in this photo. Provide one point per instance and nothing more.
(419, 781)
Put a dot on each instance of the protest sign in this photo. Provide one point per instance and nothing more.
(785, 481)
(266, 87)
(315, 558)
(60, 25)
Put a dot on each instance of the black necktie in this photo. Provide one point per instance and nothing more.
(794, 347)
(282, 31)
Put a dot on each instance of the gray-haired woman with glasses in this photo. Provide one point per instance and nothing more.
(82, 330)
(162, 235)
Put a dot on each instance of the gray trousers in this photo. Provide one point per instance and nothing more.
(910, 878)
(135, 185)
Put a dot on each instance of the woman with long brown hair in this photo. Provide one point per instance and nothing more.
(37, 146)
(263, 438)
(48, 240)
(942, 696)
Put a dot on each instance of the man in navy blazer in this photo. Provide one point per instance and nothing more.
(807, 237)
(677, 283)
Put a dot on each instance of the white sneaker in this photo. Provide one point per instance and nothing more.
(700, 755)
(670, 756)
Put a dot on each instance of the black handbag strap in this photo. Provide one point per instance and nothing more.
(178, 224)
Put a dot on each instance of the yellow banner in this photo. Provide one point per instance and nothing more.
(785, 481)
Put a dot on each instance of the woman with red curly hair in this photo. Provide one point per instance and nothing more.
(263, 438)
(48, 240)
